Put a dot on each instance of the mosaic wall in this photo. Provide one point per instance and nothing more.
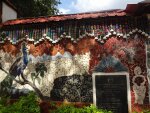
(65, 68)
(74, 29)
(74, 88)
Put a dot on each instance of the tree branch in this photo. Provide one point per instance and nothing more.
(20, 82)
(37, 91)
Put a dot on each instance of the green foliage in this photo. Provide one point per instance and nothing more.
(72, 109)
(3, 102)
(35, 8)
(144, 111)
(53, 104)
(93, 109)
(26, 104)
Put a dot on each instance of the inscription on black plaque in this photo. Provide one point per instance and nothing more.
(111, 93)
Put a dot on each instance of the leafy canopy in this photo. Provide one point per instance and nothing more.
(35, 8)
(26, 104)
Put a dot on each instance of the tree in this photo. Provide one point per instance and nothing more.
(35, 8)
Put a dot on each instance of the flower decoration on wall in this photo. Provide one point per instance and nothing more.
(139, 87)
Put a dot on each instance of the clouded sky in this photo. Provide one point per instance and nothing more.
(77, 6)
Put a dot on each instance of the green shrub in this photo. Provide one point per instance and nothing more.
(93, 109)
(26, 104)
(72, 109)
(144, 111)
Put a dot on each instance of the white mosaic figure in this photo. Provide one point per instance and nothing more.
(139, 87)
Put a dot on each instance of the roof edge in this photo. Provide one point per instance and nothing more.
(63, 17)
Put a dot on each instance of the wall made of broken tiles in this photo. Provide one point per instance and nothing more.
(66, 68)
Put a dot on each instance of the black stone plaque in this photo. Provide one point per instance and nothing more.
(111, 93)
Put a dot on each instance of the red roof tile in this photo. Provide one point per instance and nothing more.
(78, 16)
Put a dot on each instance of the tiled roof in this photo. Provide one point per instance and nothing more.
(140, 8)
(106, 13)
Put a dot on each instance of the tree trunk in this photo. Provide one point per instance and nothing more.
(37, 91)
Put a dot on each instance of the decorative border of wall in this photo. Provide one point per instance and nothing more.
(100, 39)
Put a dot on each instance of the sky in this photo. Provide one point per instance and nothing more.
(78, 6)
